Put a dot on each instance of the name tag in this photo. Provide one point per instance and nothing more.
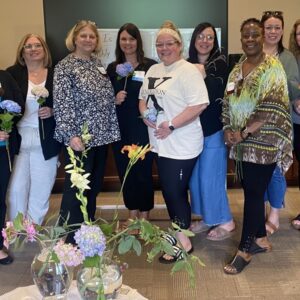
(138, 76)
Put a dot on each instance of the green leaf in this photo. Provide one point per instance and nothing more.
(187, 233)
(107, 229)
(90, 262)
(137, 247)
(178, 266)
(125, 244)
(18, 222)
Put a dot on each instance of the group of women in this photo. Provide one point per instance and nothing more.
(249, 112)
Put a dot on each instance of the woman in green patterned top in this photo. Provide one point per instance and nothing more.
(258, 129)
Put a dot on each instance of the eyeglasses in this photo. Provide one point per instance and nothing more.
(272, 13)
(167, 44)
(31, 46)
(202, 37)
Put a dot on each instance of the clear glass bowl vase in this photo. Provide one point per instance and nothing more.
(52, 279)
(89, 281)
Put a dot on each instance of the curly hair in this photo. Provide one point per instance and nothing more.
(293, 45)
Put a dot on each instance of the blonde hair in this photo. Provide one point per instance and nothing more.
(19, 57)
(73, 33)
(168, 27)
(293, 46)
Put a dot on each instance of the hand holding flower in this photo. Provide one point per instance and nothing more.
(4, 136)
(41, 93)
(45, 112)
(120, 97)
(124, 70)
(10, 110)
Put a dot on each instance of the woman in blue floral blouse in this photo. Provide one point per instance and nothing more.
(83, 94)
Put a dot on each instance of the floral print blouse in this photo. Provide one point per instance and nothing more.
(261, 96)
(82, 93)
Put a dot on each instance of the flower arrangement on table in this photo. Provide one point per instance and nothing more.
(94, 238)
(124, 70)
(41, 93)
(10, 109)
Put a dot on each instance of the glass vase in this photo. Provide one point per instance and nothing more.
(52, 279)
(89, 281)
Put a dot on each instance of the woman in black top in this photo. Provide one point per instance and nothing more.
(8, 91)
(138, 191)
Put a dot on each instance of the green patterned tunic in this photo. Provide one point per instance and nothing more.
(260, 96)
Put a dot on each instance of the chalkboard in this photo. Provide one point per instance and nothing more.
(61, 15)
(108, 43)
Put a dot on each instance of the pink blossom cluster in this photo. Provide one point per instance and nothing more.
(68, 254)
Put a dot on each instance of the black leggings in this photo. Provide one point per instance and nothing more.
(255, 180)
(174, 176)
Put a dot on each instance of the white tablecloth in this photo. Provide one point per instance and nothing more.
(31, 293)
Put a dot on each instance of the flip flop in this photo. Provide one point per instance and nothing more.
(273, 230)
(296, 225)
(220, 234)
(199, 226)
(178, 255)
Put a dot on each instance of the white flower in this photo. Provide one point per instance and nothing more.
(40, 91)
(80, 181)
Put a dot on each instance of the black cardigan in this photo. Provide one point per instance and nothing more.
(50, 146)
(12, 92)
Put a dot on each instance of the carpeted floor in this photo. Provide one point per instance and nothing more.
(275, 275)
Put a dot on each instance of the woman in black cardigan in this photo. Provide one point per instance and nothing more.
(8, 91)
(36, 165)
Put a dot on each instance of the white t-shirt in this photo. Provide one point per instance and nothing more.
(173, 88)
(31, 117)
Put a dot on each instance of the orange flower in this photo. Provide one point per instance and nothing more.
(136, 152)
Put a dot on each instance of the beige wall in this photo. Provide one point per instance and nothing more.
(239, 10)
(19, 17)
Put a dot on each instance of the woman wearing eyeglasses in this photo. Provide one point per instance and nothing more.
(176, 89)
(83, 94)
(35, 166)
(208, 181)
(257, 127)
(294, 46)
(273, 26)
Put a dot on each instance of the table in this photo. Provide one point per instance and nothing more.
(31, 293)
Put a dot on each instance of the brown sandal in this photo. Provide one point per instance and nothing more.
(273, 230)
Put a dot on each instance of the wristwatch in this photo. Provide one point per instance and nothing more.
(171, 126)
(245, 133)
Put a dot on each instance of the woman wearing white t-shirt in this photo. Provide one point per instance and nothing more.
(35, 166)
(176, 89)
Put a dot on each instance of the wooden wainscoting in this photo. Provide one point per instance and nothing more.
(112, 183)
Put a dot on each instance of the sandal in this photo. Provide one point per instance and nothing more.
(199, 226)
(255, 248)
(296, 225)
(237, 265)
(273, 230)
(178, 255)
(220, 234)
(170, 239)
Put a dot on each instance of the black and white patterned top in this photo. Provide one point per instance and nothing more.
(82, 93)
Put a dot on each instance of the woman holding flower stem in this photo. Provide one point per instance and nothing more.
(9, 90)
(126, 74)
(36, 165)
(83, 94)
